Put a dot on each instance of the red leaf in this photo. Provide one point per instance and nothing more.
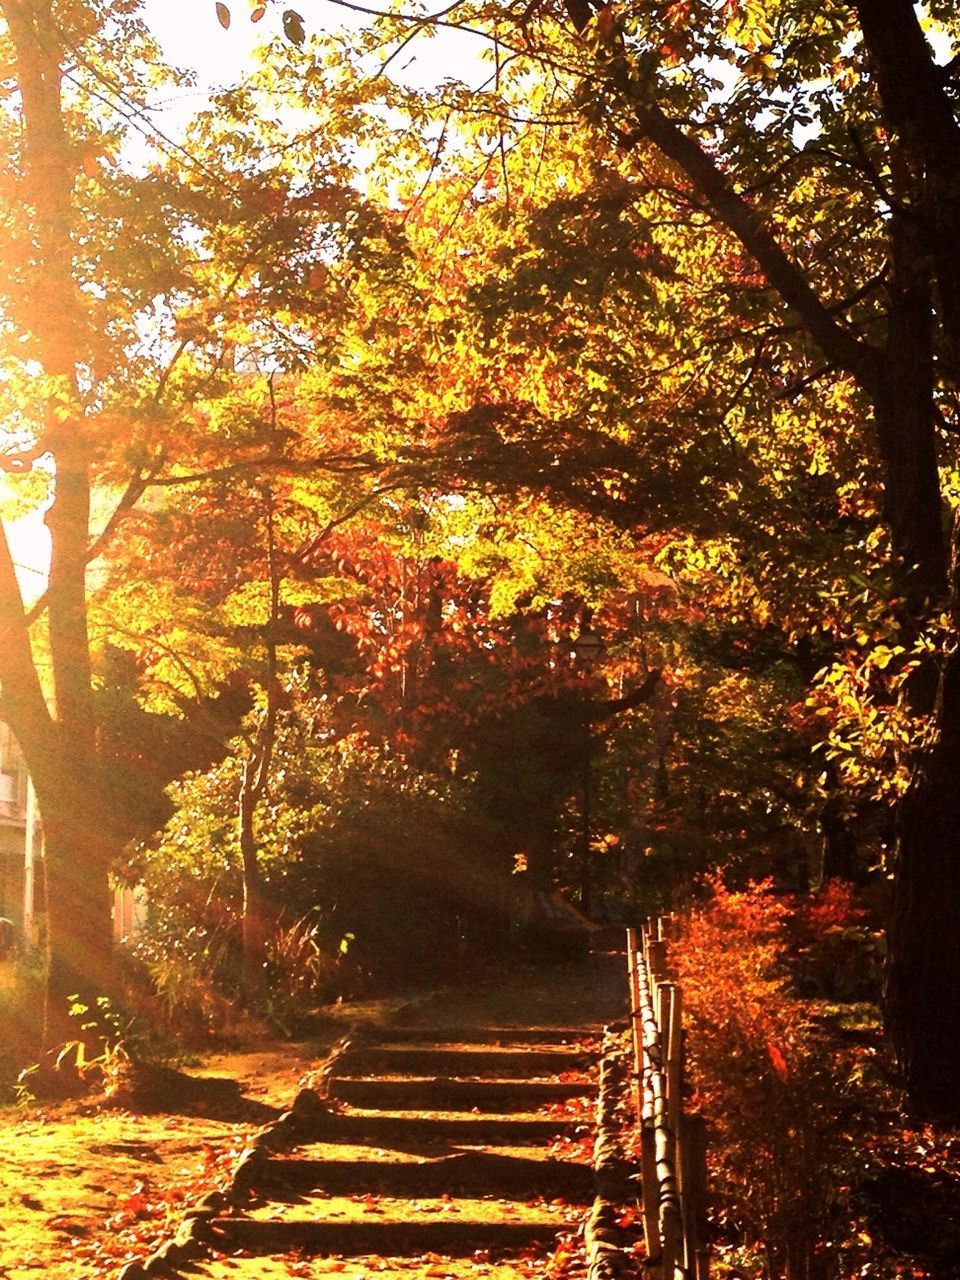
(779, 1061)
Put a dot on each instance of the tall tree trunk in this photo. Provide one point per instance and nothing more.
(923, 967)
(257, 917)
(254, 920)
(904, 422)
(923, 971)
(78, 904)
(61, 754)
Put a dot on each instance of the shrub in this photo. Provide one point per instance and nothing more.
(181, 971)
(301, 973)
(761, 1077)
(837, 945)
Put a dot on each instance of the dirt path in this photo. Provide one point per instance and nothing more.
(405, 1174)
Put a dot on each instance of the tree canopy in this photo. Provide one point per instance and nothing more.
(354, 402)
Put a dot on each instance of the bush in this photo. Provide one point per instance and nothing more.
(771, 1094)
(837, 944)
(401, 877)
(181, 971)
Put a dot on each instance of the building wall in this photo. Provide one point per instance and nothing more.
(20, 864)
(13, 825)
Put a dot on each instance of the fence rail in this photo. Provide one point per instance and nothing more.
(672, 1140)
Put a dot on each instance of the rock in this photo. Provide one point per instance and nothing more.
(212, 1202)
(191, 1235)
(163, 1261)
(266, 1139)
(308, 1103)
(247, 1170)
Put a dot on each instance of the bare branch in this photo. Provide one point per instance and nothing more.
(336, 464)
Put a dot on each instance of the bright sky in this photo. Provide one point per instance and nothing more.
(30, 546)
(193, 38)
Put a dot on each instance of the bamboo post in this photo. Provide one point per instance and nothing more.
(694, 1175)
(648, 1180)
(643, 1101)
(656, 970)
(672, 1145)
(633, 964)
(671, 1016)
(657, 959)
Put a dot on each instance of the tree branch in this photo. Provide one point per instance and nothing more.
(21, 696)
(836, 342)
(612, 706)
(21, 462)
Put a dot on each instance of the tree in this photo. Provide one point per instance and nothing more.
(130, 277)
(889, 139)
(827, 163)
(42, 293)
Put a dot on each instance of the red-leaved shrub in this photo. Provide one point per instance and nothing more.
(836, 943)
(762, 1079)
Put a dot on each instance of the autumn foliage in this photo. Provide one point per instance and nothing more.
(766, 1080)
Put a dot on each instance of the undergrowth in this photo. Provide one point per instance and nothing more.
(779, 1096)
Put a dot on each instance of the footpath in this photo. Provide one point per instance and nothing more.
(455, 1140)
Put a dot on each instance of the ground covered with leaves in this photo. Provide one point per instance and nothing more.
(88, 1184)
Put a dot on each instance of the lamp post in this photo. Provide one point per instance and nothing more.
(588, 648)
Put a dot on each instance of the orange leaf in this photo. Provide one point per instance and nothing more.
(779, 1061)
(606, 21)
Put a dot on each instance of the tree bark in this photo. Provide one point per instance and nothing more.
(61, 752)
(254, 920)
(78, 904)
(922, 995)
(923, 970)
(257, 919)
(905, 425)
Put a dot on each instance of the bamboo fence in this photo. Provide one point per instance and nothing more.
(672, 1140)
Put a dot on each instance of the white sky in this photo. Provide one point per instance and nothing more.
(193, 38)
(30, 547)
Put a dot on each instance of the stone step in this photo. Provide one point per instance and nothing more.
(456, 1034)
(460, 1238)
(461, 1060)
(403, 1093)
(418, 1132)
(466, 1173)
